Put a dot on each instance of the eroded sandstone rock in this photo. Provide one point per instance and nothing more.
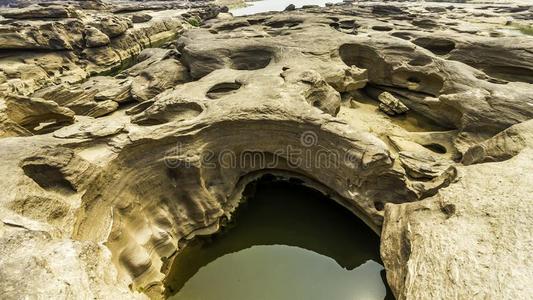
(140, 18)
(31, 113)
(157, 78)
(428, 146)
(40, 12)
(475, 226)
(96, 97)
(112, 26)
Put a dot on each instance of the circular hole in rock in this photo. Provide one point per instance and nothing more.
(361, 56)
(379, 205)
(252, 59)
(420, 61)
(419, 81)
(381, 28)
(223, 89)
(438, 46)
(402, 35)
(348, 24)
(283, 23)
(311, 239)
(48, 177)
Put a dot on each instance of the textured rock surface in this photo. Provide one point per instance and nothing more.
(116, 152)
(95, 38)
(474, 236)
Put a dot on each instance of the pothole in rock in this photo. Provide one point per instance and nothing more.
(402, 34)
(283, 23)
(420, 61)
(361, 56)
(223, 89)
(438, 46)
(285, 242)
(346, 26)
(509, 73)
(48, 177)
(381, 28)
(251, 59)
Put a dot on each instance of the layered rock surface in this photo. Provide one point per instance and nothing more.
(116, 153)
(63, 45)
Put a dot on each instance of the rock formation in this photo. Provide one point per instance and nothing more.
(125, 132)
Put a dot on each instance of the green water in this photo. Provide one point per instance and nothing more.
(287, 242)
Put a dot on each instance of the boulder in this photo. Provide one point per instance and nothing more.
(389, 104)
(290, 7)
(140, 18)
